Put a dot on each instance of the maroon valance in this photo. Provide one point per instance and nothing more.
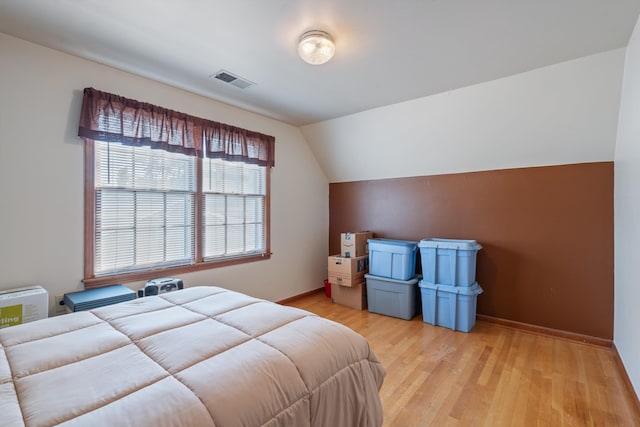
(113, 118)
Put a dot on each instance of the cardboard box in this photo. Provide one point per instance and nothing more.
(347, 271)
(22, 305)
(354, 296)
(344, 279)
(354, 244)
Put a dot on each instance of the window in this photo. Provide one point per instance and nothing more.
(145, 204)
(144, 208)
(197, 199)
(233, 208)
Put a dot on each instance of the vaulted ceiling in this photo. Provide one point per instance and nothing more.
(386, 51)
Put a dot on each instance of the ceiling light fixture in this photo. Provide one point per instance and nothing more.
(316, 47)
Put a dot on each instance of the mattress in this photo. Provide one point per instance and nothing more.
(203, 356)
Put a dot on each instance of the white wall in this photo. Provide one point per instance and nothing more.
(627, 216)
(561, 114)
(41, 178)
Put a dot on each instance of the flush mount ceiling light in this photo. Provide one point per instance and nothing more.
(316, 47)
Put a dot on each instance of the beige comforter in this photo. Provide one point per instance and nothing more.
(202, 356)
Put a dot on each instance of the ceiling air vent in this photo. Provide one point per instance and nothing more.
(232, 79)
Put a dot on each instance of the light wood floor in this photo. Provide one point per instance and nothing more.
(492, 376)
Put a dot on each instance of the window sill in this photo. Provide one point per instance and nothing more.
(136, 276)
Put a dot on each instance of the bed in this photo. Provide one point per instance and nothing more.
(202, 356)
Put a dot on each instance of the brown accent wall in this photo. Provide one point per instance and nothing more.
(546, 232)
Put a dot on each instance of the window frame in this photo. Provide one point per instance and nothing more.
(91, 281)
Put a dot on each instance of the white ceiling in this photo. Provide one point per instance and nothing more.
(386, 51)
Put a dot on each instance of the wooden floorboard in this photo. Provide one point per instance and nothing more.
(492, 376)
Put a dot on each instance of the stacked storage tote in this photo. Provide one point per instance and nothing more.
(392, 283)
(449, 288)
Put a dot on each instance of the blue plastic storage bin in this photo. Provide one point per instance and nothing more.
(393, 259)
(448, 261)
(391, 297)
(453, 307)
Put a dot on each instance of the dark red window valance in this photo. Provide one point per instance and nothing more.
(113, 118)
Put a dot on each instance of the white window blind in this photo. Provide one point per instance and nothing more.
(145, 208)
(233, 209)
